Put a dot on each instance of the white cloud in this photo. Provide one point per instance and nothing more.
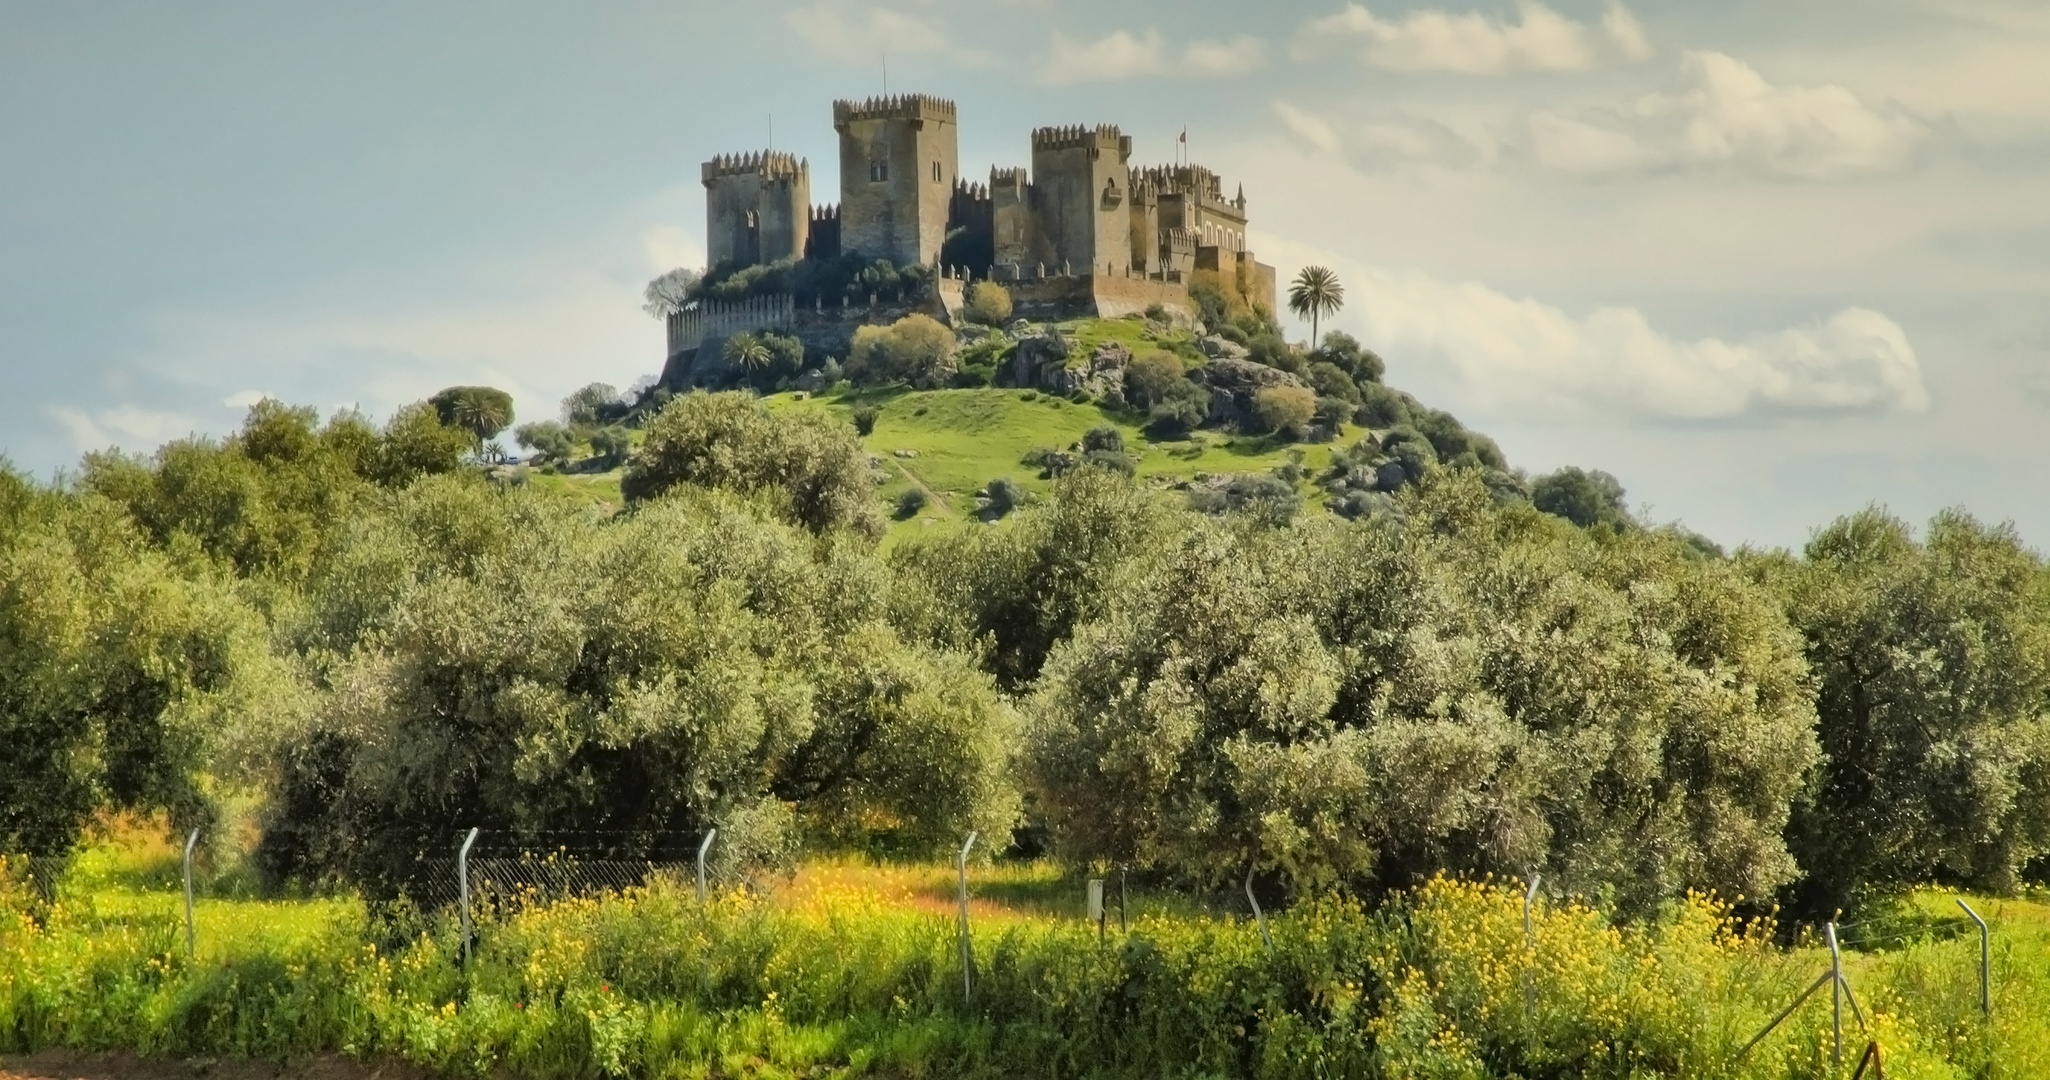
(1540, 39)
(1381, 140)
(1240, 54)
(1122, 54)
(243, 399)
(856, 33)
(670, 246)
(1514, 353)
(1524, 357)
(128, 426)
(1117, 55)
(1309, 127)
(1730, 116)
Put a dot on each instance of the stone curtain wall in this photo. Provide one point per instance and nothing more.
(717, 319)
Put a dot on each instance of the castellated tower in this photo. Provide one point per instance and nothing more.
(898, 164)
(757, 207)
(1080, 179)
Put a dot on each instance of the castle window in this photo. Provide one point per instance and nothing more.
(879, 171)
(935, 172)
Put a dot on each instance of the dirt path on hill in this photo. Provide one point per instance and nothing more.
(72, 1065)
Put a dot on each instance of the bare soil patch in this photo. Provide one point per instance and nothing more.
(74, 1065)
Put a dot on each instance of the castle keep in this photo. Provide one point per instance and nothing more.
(1081, 231)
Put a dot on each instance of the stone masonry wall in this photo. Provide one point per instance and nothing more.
(898, 163)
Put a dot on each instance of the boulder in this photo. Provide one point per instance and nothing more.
(1218, 348)
(1232, 385)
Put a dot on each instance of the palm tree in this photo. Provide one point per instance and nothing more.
(483, 411)
(1314, 294)
(748, 351)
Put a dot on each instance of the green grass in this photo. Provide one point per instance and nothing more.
(962, 439)
(852, 969)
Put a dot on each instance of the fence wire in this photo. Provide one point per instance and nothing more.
(40, 873)
(502, 881)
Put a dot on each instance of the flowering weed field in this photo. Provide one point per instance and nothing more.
(855, 970)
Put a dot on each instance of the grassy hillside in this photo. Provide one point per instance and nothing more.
(952, 442)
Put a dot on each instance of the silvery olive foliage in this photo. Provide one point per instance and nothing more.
(505, 660)
(1473, 688)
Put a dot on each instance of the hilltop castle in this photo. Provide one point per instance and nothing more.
(1084, 231)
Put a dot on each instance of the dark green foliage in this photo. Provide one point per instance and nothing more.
(546, 438)
(1344, 352)
(1454, 444)
(1116, 461)
(1585, 497)
(268, 499)
(911, 502)
(1103, 437)
(1329, 380)
(530, 668)
(1150, 376)
(1266, 346)
(483, 411)
(1381, 407)
(594, 404)
(611, 445)
(1025, 588)
(124, 682)
(865, 419)
(1002, 496)
(1266, 498)
(852, 279)
(810, 464)
(1473, 690)
(1932, 669)
(1182, 409)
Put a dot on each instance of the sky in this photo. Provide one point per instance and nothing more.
(1767, 263)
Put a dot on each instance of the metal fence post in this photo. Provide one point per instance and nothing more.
(463, 881)
(702, 848)
(1530, 949)
(967, 947)
(190, 941)
(1836, 994)
(1985, 961)
(1258, 915)
(1121, 901)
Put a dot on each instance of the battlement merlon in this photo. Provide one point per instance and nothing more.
(769, 164)
(1076, 136)
(919, 107)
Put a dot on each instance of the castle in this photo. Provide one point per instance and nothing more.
(1084, 231)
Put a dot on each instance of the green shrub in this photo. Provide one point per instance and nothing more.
(989, 304)
(864, 417)
(911, 502)
(1283, 409)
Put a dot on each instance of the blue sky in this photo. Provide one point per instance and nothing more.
(1766, 262)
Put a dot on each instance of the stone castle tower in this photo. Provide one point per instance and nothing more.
(757, 207)
(1082, 211)
(899, 160)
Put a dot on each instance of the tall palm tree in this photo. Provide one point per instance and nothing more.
(1314, 294)
(750, 352)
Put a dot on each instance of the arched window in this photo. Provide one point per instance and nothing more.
(878, 170)
(935, 172)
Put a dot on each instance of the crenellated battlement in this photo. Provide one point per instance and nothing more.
(894, 107)
(1077, 136)
(773, 164)
(1081, 211)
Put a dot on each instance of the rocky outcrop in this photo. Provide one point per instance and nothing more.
(1232, 385)
(1046, 360)
(1218, 348)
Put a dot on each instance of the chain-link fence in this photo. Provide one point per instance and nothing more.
(39, 874)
